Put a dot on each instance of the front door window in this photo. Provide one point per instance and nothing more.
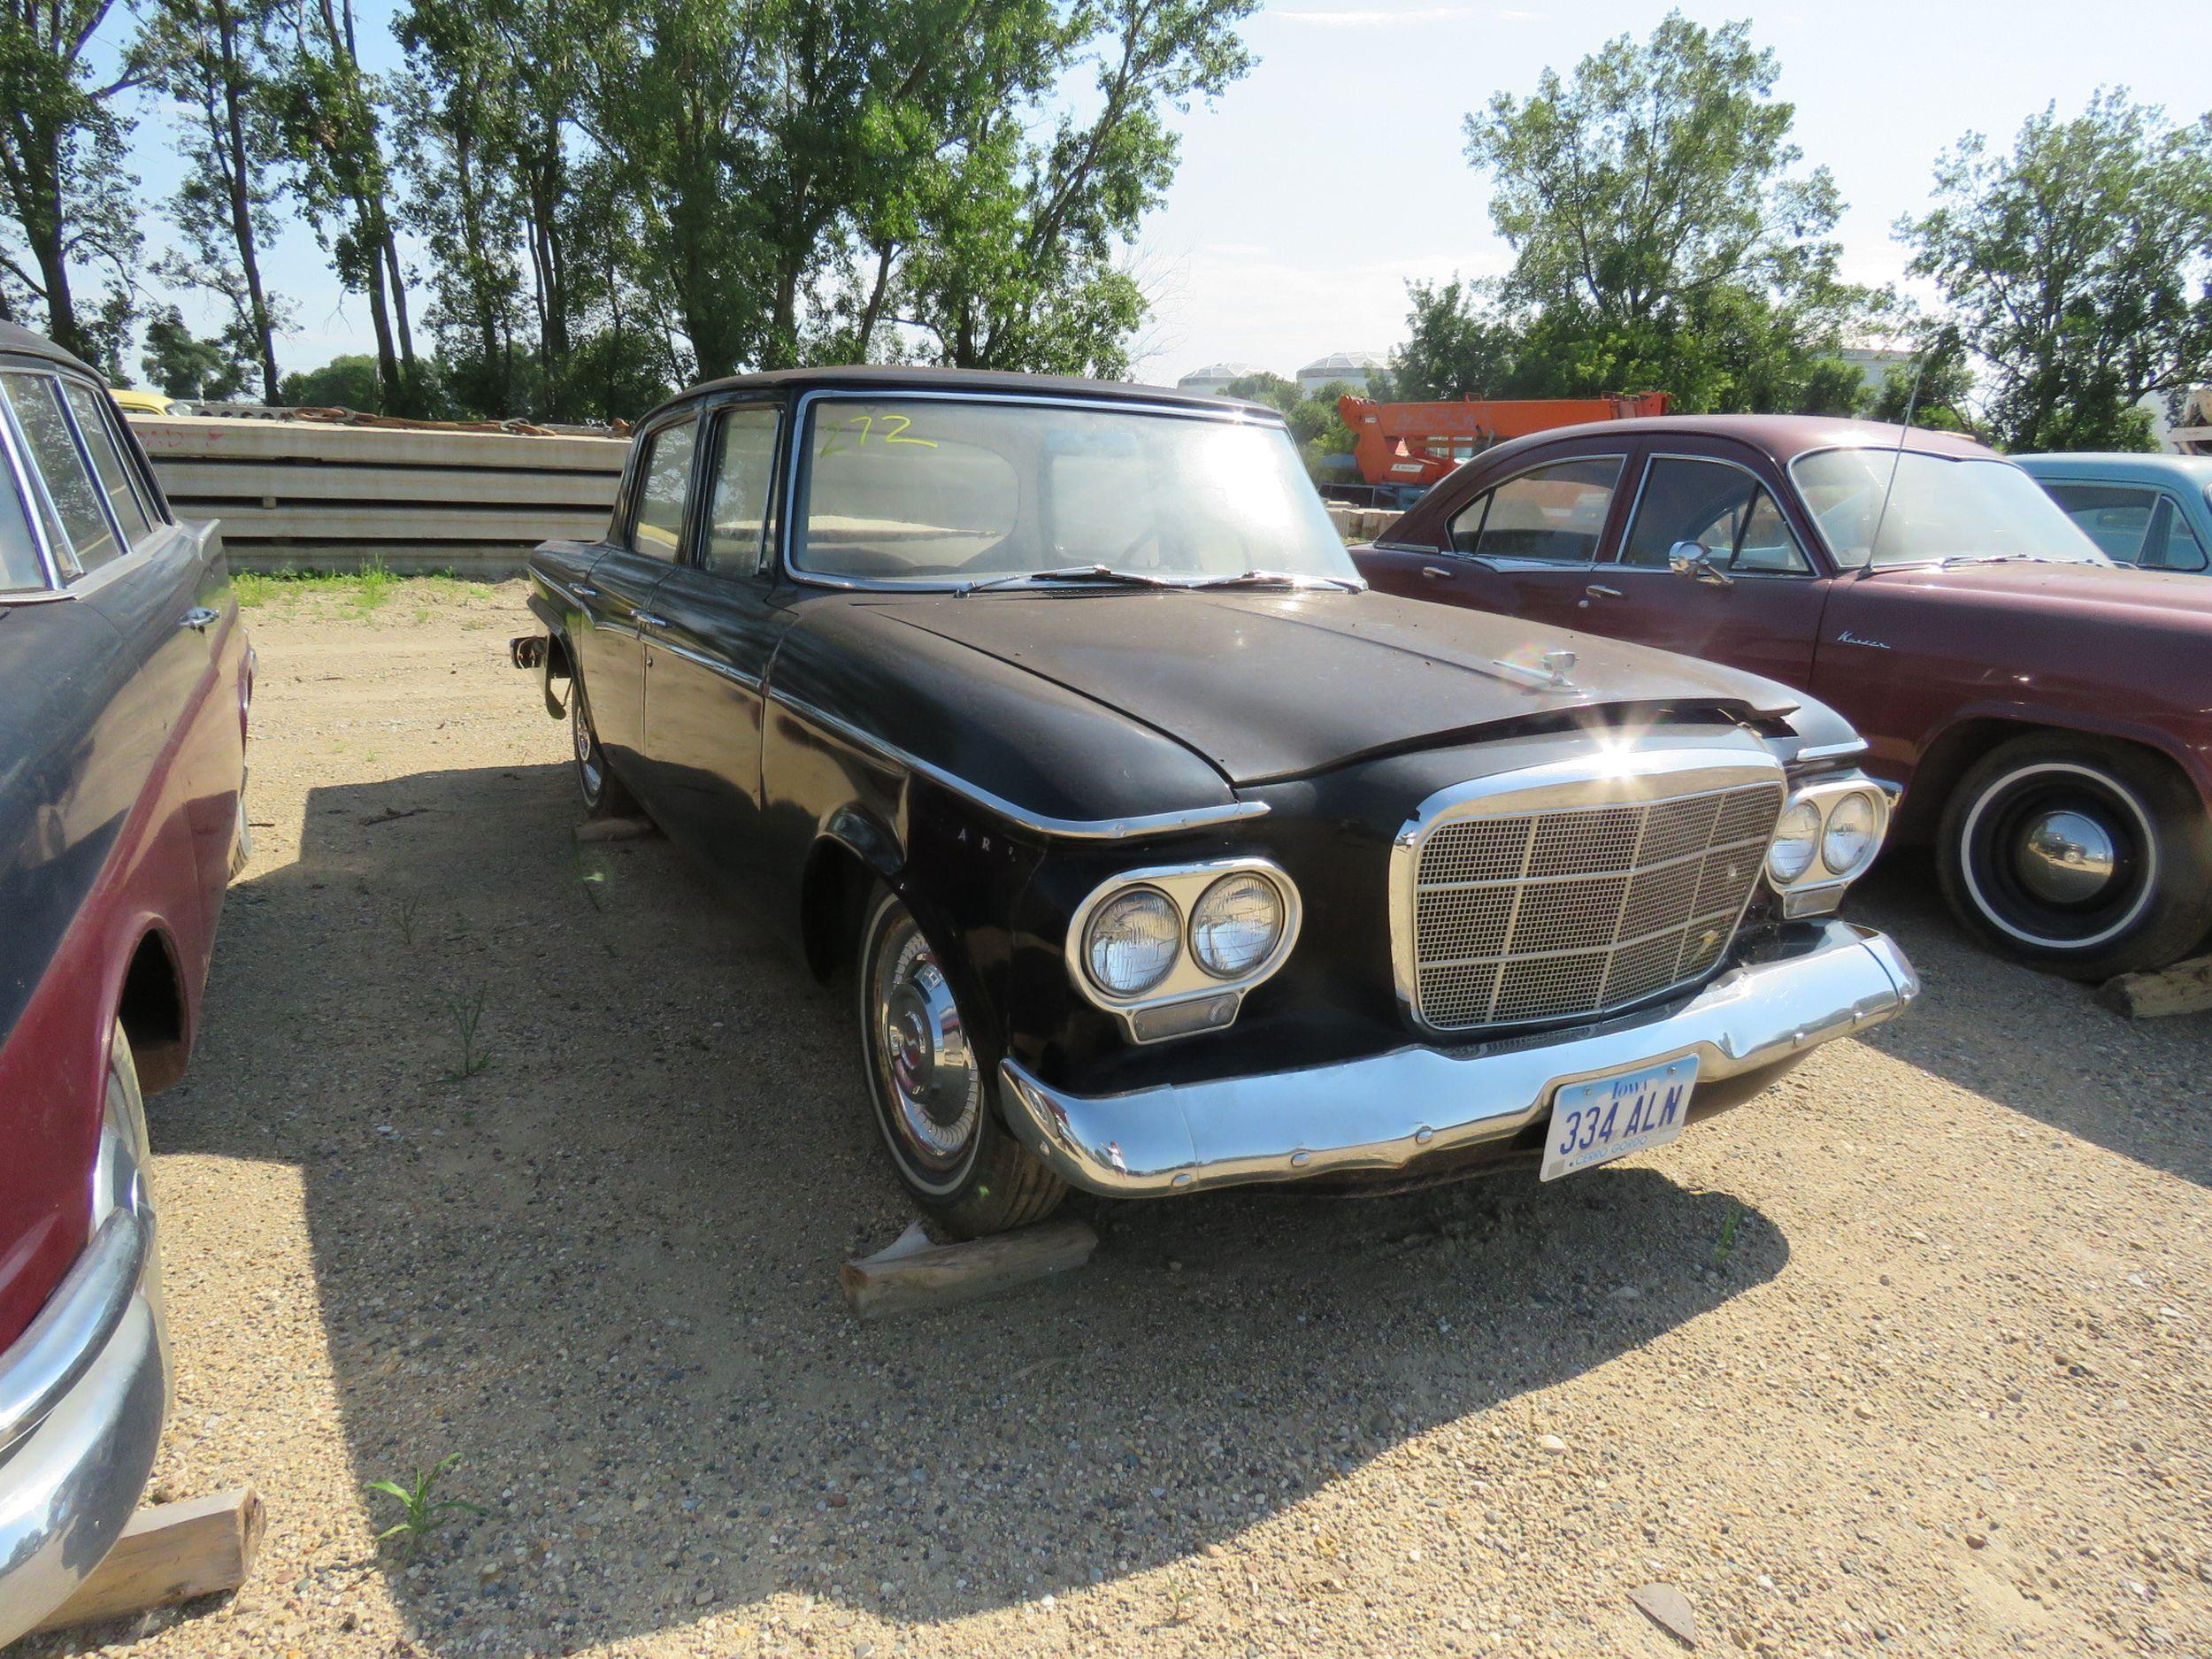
(1721, 507)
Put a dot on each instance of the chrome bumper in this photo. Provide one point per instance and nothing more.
(83, 1395)
(1382, 1112)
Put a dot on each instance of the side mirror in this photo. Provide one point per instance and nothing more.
(1694, 560)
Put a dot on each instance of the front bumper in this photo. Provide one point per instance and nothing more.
(1386, 1112)
(83, 1395)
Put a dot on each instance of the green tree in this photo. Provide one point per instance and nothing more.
(183, 365)
(1457, 346)
(1014, 263)
(64, 196)
(333, 135)
(1935, 387)
(217, 59)
(344, 382)
(1662, 236)
(2076, 268)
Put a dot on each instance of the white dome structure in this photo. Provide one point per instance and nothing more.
(1214, 378)
(1351, 367)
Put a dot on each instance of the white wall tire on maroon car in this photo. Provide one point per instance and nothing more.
(2086, 858)
(931, 1086)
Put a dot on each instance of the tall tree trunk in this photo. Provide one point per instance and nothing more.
(387, 376)
(241, 198)
(884, 253)
(399, 290)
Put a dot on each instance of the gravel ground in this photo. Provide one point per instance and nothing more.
(1909, 1358)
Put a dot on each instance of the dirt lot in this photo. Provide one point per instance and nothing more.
(1911, 1358)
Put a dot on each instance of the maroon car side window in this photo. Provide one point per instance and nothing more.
(1722, 508)
(1555, 514)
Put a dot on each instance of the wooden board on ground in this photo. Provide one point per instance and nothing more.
(616, 829)
(914, 1275)
(2184, 989)
(168, 1553)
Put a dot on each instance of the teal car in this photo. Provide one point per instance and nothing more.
(2151, 510)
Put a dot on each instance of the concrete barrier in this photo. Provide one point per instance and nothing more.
(304, 495)
(1361, 523)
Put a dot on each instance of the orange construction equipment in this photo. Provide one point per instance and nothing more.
(1418, 444)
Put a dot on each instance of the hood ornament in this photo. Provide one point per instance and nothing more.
(1553, 671)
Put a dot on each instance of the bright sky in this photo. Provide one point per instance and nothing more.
(1334, 171)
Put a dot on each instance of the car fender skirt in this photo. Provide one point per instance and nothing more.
(1383, 1112)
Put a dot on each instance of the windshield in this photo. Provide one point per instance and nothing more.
(952, 491)
(1942, 507)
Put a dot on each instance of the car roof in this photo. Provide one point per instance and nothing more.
(898, 377)
(1783, 437)
(19, 342)
(2189, 468)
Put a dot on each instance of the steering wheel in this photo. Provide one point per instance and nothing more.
(1151, 534)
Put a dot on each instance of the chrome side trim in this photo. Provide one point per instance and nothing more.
(751, 682)
(1072, 829)
(1832, 751)
(1382, 1112)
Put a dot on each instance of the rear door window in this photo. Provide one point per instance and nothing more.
(51, 448)
(2183, 550)
(744, 473)
(96, 423)
(1552, 514)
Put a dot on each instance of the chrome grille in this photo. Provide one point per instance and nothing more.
(1578, 910)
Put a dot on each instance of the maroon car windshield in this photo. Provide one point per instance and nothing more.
(1941, 507)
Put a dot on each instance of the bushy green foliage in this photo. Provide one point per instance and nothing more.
(2076, 268)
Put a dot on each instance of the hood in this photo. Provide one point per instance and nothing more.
(1268, 686)
(2165, 595)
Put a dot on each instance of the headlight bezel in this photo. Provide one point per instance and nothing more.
(1190, 997)
(1819, 884)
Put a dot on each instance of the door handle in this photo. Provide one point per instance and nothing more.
(200, 619)
(1437, 573)
(647, 619)
(1599, 590)
(585, 590)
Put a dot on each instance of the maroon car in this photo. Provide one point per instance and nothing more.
(2048, 715)
(124, 679)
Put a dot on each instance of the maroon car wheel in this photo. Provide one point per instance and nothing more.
(2088, 858)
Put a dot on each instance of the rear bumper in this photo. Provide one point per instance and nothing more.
(1387, 1111)
(83, 1395)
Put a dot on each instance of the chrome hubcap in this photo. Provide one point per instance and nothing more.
(2068, 857)
(587, 750)
(928, 1071)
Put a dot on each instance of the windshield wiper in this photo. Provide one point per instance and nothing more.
(1101, 575)
(2003, 559)
(1279, 579)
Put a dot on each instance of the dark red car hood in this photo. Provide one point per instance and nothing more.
(1272, 684)
(2166, 594)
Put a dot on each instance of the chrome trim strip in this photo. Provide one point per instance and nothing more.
(1382, 1112)
(751, 682)
(1072, 829)
(1832, 751)
(559, 590)
(1585, 782)
(1188, 980)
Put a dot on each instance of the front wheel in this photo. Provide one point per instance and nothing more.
(2084, 857)
(931, 1090)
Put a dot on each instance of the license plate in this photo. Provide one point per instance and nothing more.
(1609, 1118)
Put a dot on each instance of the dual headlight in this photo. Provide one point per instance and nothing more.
(1186, 935)
(1828, 835)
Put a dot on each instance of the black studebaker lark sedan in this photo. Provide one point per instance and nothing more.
(1162, 855)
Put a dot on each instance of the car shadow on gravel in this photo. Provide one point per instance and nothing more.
(2036, 1044)
(581, 1151)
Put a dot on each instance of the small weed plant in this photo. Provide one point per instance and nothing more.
(422, 1511)
(468, 1016)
